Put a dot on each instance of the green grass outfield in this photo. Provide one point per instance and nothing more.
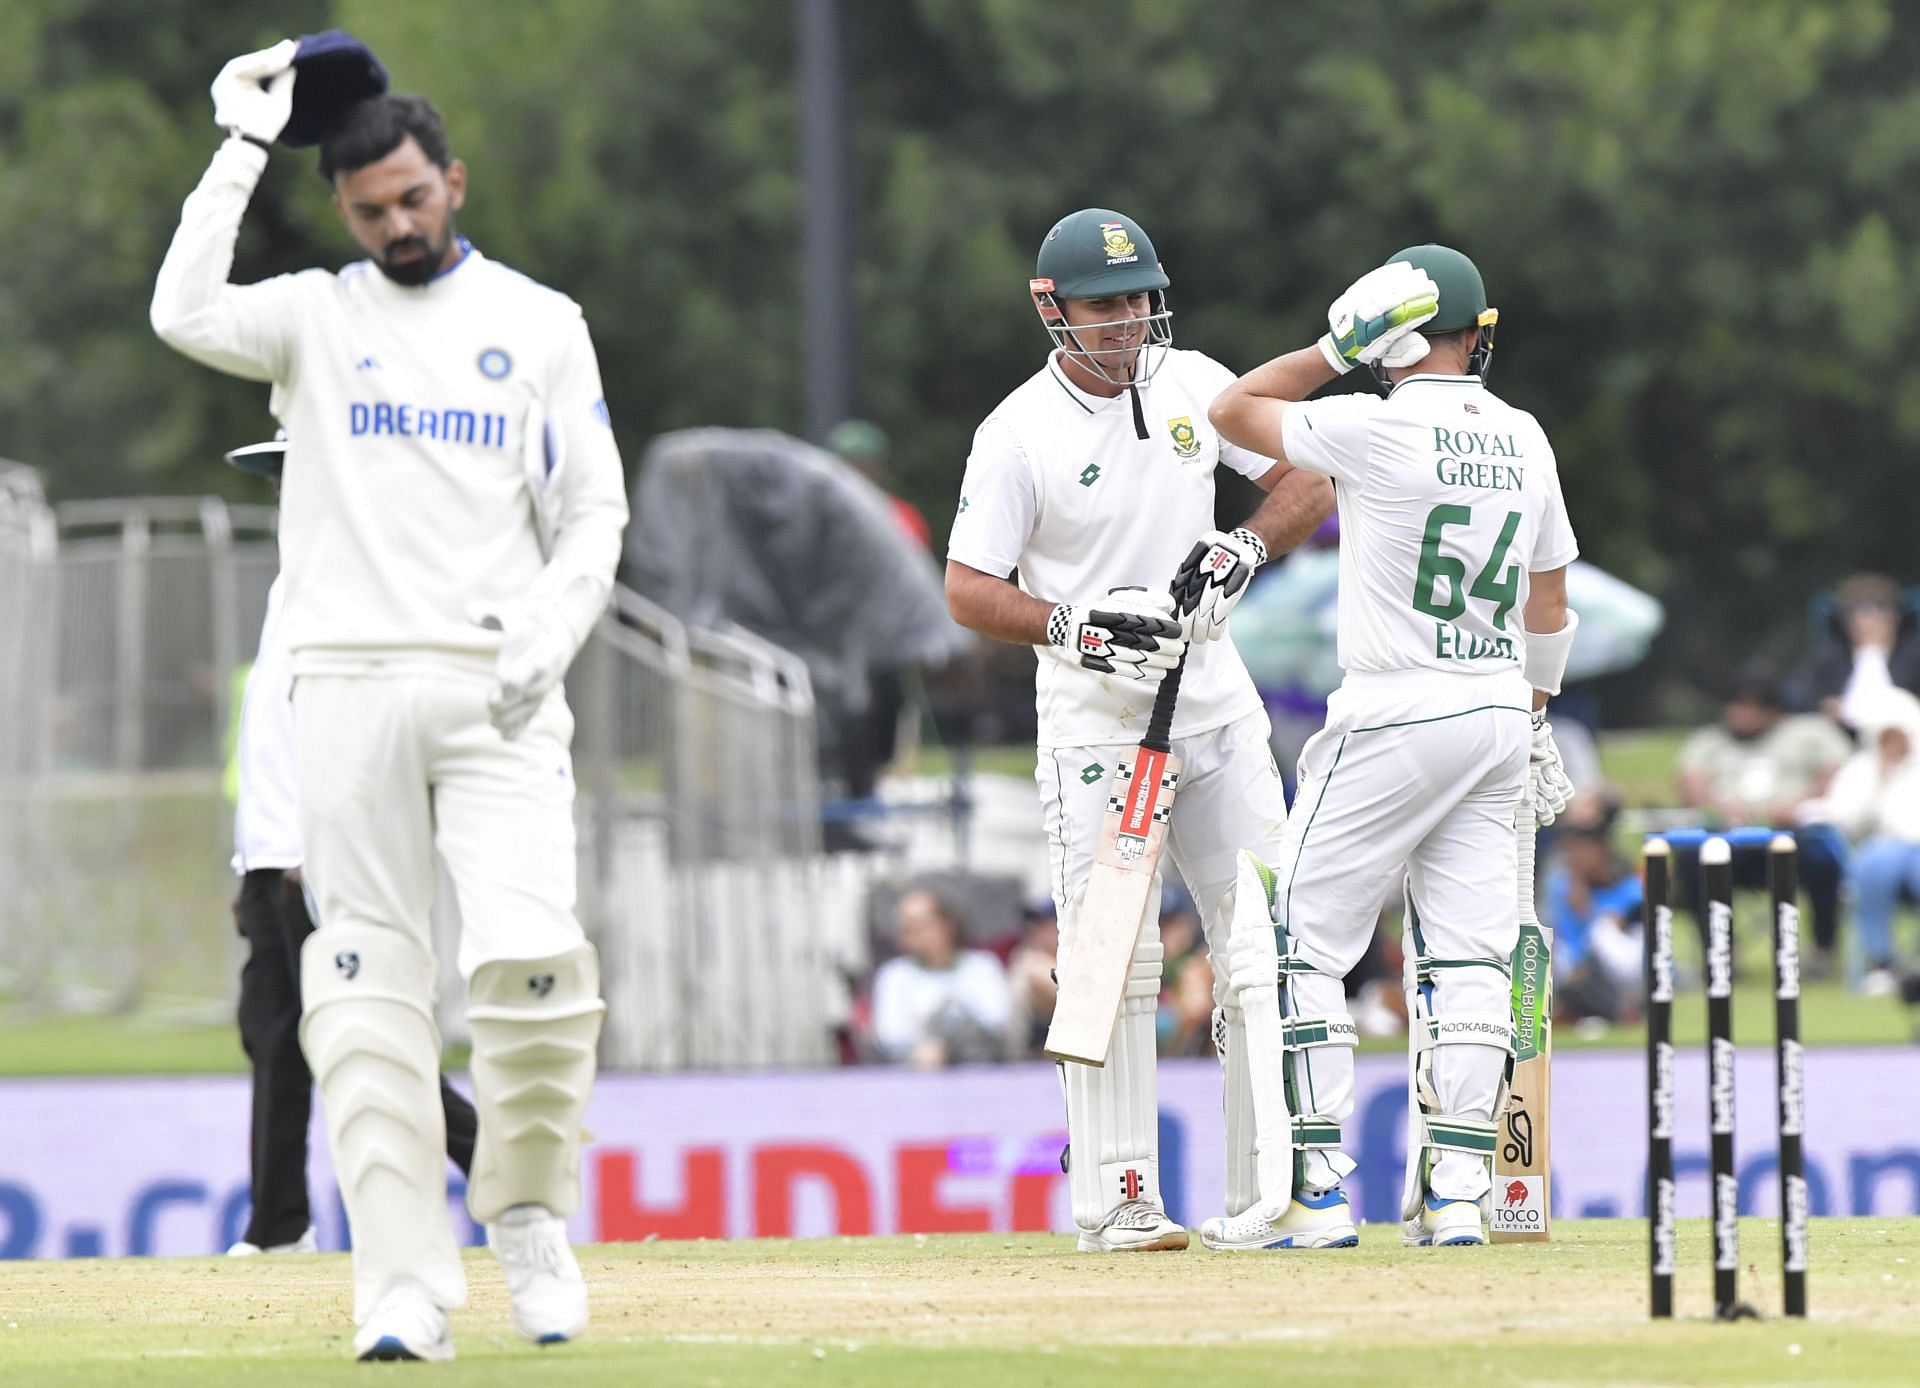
(986, 1310)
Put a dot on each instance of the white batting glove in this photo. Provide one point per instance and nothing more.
(253, 95)
(1377, 312)
(534, 655)
(1546, 776)
(1130, 633)
(1212, 579)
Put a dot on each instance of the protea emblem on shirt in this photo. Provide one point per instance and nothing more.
(1186, 443)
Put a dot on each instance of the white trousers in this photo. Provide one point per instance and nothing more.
(1230, 797)
(1420, 777)
(393, 767)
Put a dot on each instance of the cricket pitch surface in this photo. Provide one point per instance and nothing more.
(981, 1310)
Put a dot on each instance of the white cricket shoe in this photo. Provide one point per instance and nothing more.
(308, 1242)
(1134, 1226)
(1445, 1224)
(1311, 1221)
(543, 1279)
(405, 1324)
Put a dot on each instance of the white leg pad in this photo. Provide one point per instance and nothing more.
(1319, 1036)
(536, 1030)
(1113, 1111)
(1473, 1045)
(1230, 1045)
(369, 1037)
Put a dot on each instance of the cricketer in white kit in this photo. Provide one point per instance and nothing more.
(451, 515)
(1093, 479)
(1453, 631)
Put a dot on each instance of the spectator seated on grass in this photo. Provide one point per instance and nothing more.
(1759, 766)
(1594, 905)
(1868, 642)
(1875, 800)
(937, 1003)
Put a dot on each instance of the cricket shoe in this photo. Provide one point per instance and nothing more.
(548, 1295)
(1311, 1221)
(308, 1242)
(405, 1324)
(1134, 1226)
(1445, 1224)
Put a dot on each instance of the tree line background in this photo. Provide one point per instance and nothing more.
(1698, 218)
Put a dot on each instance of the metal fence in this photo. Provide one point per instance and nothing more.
(724, 933)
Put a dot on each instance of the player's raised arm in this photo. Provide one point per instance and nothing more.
(1373, 322)
(240, 330)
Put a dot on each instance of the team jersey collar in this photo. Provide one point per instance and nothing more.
(1090, 403)
(1425, 379)
(466, 252)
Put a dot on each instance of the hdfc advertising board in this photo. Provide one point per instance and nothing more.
(142, 1166)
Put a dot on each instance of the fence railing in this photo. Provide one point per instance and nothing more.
(122, 625)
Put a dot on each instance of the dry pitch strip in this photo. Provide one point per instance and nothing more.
(981, 1310)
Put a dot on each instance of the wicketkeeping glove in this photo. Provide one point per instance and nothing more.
(1547, 777)
(1131, 633)
(1374, 320)
(1212, 579)
(253, 95)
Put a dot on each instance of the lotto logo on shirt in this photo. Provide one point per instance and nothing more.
(425, 422)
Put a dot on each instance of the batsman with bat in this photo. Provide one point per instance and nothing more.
(1092, 480)
(1436, 759)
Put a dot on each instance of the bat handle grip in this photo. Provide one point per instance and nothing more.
(1160, 725)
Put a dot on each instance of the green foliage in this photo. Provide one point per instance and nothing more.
(1695, 215)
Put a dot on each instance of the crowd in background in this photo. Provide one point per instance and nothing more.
(1825, 749)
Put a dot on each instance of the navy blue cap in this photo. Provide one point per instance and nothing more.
(336, 70)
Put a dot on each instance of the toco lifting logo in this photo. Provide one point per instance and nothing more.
(1120, 247)
(1186, 443)
(1516, 1193)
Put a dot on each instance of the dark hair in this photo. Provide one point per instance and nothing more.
(1758, 682)
(372, 129)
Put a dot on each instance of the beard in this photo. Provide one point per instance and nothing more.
(417, 271)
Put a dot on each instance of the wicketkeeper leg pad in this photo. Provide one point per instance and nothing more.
(536, 1030)
(370, 1040)
(1113, 1113)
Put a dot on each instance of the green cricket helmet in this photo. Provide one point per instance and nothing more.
(1097, 253)
(1463, 299)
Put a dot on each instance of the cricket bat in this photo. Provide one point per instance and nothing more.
(1139, 807)
(1521, 1177)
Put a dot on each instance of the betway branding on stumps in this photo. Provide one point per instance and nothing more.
(1093, 974)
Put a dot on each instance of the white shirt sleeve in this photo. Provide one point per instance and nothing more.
(898, 1023)
(997, 504)
(1555, 546)
(1330, 436)
(592, 510)
(989, 998)
(244, 330)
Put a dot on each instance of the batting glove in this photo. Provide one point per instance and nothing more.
(1212, 579)
(1546, 776)
(1379, 311)
(253, 95)
(534, 655)
(1130, 633)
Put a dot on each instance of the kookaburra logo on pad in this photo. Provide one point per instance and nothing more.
(540, 985)
(348, 963)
